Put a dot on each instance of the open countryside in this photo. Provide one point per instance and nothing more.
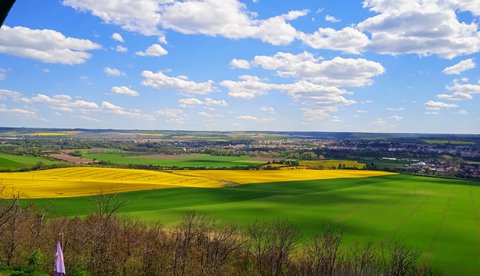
(239, 137)
(437, 217)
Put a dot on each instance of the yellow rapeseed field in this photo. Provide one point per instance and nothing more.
(265, 176)
(84, 181)
(54, 133)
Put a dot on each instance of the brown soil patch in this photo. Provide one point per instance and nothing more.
(64, 156)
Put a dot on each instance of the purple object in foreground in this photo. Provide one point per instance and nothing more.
(59, 269)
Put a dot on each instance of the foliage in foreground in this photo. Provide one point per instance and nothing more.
(103, 244)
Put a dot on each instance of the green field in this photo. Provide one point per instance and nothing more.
(17, 162)
(453, 142)
(204, 160)
(332, 164)
(438, 217)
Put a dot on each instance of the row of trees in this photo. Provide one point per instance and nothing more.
(104, 244)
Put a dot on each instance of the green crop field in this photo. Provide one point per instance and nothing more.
(332, 164)
(203, 160)
(16, 162)
(438, 217)
(453, 142)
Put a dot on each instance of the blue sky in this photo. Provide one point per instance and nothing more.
(373, 65)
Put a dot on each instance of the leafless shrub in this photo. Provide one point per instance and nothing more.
(272, 245)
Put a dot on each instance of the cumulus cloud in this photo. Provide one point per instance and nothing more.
(213, 102)
(420, 27)
(460, 91)
(123, 90)
(113, 72)
(13, 95)
(189, 102)
(179, 83)
(117, 37)
(248, 87)
(348, 40)
(337, 71)
(319, 82)
(47, 46)
(227, 18)
(436, 105)
(240, 64)
(154, 50)
(460, 67)
(140, 16)
(118, 110)
(172, 115)
(207, 102)
(331, 18)
(18, 112)
(64, 103)
(121, 49)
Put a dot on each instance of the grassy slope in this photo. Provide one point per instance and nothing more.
(439, 217)
(208, 161)
(16, 162)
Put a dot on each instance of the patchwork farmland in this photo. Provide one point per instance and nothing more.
(438, 217)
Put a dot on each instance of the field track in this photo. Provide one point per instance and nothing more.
(84, 181)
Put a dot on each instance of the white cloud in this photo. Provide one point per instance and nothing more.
(383, 123)
(248, 87)
(419, 27)
(462, 112)
(65, 103)
(209, 115)
(396, 117)
(3, 73)
(189, 102)
(436, 105)
(13, 95)
(118, 110)
(267, 109)
(461, 91)
(248, 117)
(230, 19)
(172, 115)
(121, 49)
(140, 16)
(348, 40)
(123, 90)
(240, 64)
(321, 100)
(227, 18)
(212, 102)
(460, 67)
(331, 18)
(117, 37)
(88, 118)
(155, 50)
(48, 46)
(318, 84)
(113, 72)
(337, 71)
(18, 112)
(180, 83)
